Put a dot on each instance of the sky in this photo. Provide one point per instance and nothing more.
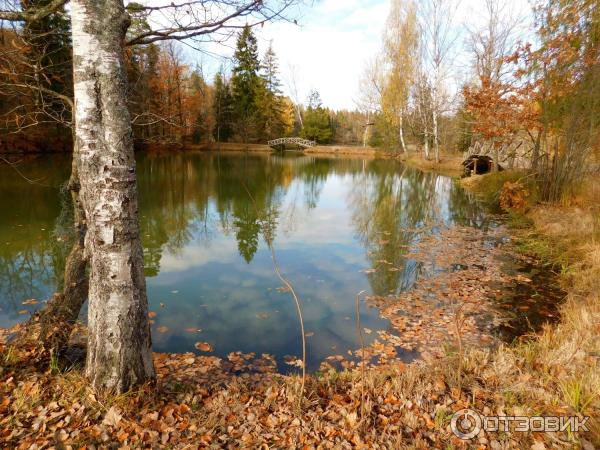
(334, 39)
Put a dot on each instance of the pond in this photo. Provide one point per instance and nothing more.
(208, 223)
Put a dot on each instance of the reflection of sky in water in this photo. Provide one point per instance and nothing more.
(329, 219)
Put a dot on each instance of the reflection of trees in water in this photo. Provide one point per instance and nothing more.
(32, 255)
(386, 208)
(464, 208)
(188, 196)
(390, 211)
(173, 204)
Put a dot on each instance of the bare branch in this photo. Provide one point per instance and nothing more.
(33, 14)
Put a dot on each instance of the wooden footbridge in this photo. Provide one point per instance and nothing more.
(281, 143)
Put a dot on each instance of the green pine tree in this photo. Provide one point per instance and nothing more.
(246, 86)
(223, 109)
(317, 123)
(271, 100)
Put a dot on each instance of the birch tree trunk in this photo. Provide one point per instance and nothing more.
(119, 348)
(434, 125)
(401, 132)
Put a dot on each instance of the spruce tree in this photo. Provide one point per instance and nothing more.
(246, 85)
(271, 100)
(223, 109)
(317, 125)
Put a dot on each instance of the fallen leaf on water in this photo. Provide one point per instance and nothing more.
(203, 346)
(368, 330)
(162, 329)
(309, 334)
(193, 330)
(23, 311)
(31, 301)
(293, 361)
(151, 314)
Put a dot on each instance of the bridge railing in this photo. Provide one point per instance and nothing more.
(292, 140)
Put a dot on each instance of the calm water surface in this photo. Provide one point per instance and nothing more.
(206, 222)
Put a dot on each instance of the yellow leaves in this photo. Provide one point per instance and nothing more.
(513, 196)
(31, 301)
(203, 346)
(152, 314)
(351, 420)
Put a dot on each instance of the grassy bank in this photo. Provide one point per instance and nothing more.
(450, 165)
(342, 150)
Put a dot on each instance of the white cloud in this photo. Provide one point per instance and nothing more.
(328, 48)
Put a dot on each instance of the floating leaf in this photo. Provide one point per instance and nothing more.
(31, 301)
(293, 361)
(203, 346)
(162, 329)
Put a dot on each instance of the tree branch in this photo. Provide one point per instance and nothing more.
(33, 14)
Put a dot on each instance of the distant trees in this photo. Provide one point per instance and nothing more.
(400, 47)
(274, 111)
(36, 86)
(548, 93)
(222, 108)
(317, 123)
(255, 107)
(407, 81)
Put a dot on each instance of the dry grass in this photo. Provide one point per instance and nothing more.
(562, 363)
(345, 150)
(450, 165)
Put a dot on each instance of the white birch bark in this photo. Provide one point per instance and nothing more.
(434, 126)
(119, 348)
(401, 132)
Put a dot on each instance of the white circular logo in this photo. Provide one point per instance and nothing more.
(466, 423)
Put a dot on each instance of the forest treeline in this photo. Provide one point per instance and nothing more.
(537, 104)
(170, 101)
